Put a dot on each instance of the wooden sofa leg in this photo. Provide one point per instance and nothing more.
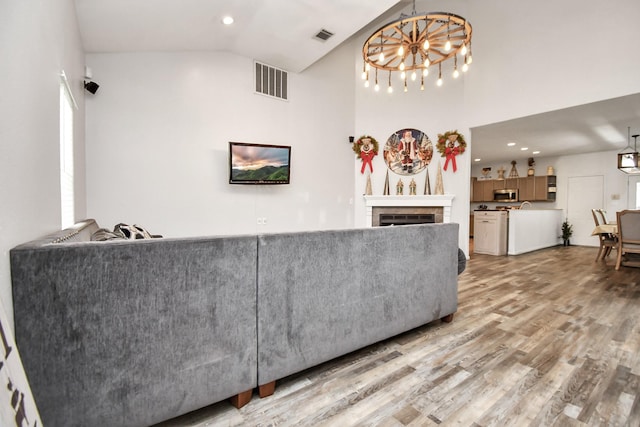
(267, 389)
(241, 399)
(448, 318)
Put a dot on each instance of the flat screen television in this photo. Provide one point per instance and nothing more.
(259, 163)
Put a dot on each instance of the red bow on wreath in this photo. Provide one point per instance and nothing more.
(366, 160)
(450, 154)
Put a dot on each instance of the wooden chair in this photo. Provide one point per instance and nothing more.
(628, 234)
(607, 240)
(603, 216)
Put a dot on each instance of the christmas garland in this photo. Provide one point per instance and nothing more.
(450, 145)
(366, 155)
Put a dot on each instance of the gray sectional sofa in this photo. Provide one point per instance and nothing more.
(131, 333)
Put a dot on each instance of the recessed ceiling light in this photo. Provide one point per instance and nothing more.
(511, 144)
(227, 20)
(524, 148)
(536, 152)
(476, 160)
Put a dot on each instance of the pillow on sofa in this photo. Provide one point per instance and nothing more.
(122, 232)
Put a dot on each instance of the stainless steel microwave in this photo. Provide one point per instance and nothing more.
(505, 195)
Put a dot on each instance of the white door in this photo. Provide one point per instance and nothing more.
(584, 193)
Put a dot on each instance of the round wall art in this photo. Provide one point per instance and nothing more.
(408, 151)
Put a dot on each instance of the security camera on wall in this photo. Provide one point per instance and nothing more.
(89, 85)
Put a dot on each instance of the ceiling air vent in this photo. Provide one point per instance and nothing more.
(271, 81)
(324, 35)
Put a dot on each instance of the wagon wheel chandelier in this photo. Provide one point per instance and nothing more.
(412, 44)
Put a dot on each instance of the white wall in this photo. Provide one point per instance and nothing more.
(158, 132)
(531, 57)
(36, 43)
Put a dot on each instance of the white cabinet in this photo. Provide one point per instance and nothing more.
(490, 232)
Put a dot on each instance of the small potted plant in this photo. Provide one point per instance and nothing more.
(567, 232)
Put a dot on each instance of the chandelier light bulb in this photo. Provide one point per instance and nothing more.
(469, 59)
(426, 61)
(367, 67)
(401, 50)
(364, 75)
(413, 76)
(381, 57)
(455, 73)
(463, 51)
(465, 67)
(390, 89)
(376, 87)
(401, 66)
(366, 83)
(439, 82)
(425, 46)
(422, 86)
(447, 45)
(403, 75)
(425, 72)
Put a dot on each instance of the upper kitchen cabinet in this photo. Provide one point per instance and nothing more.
(530, 188)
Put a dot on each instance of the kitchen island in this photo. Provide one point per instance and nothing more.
(533, 229)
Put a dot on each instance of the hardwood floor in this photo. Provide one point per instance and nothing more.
(549, 338)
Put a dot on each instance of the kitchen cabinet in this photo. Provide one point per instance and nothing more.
(530, 188)
(545, 188)
(526, 187)
(490, 232)
(482, 190)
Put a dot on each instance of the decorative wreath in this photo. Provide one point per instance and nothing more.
(357, 146)
(442, 142)
(365, 155)
(450, 145)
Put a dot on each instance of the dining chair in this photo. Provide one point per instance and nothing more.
(607, 240)
(628, 233)
(603, 216)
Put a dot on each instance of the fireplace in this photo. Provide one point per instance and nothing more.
(401, 210)
(386, 219)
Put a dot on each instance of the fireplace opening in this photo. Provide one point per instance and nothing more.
(405, 219)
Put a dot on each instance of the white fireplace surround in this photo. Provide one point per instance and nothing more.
(445, 201)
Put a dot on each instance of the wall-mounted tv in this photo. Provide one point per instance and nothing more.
(259, 163)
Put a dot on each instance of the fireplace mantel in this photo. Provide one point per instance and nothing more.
(445, 201)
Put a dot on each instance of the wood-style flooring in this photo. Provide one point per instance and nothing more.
(548, 338)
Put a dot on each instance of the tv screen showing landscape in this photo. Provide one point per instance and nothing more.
(259, 163)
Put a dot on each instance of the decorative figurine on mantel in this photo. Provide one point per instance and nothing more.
(501, 172)
(400, 188)
(514, 171)
(368, 191)
(412, 188)
(427, 184)
(385, 191)
(439, 185)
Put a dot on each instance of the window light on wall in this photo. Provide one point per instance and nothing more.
(67, 106)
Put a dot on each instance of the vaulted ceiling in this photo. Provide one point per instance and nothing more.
(282, 33)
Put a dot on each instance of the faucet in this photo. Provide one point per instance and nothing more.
(525, 203)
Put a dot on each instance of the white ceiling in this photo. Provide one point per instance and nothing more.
(588, 128)
(281, 33)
